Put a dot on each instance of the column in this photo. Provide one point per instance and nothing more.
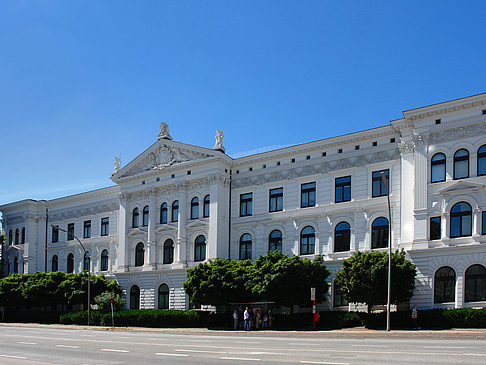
(181, 252)
(152, 224)
(122, 254)
(420, 191)
(218, 218)
(459, 290)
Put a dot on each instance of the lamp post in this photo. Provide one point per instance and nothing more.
(385, 182)
(86, 253)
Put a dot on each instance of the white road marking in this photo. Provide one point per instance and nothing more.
(68, 346)
(239, 358)
(204, 351)
(370, 345)
(444, 347)
(14, 357)
(324, 362)
(27, 343)
(114, 350)
(166, 354)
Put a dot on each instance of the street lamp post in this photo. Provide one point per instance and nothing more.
(385, 182)
(89, 264)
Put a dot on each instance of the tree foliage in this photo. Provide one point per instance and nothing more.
(364, 278)
(273, 277)
(41, 289)
(103, 301)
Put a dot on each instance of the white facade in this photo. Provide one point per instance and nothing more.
(305, 192)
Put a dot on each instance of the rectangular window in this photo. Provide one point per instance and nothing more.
(87, 229)
(246, 201)
(308, 195)
(105, 226)
(378, 187)
(55, 234)
(276, 200)
(483, 231)
(70, 232)
(435, 228)
(343, 189)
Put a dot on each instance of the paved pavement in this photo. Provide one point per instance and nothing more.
(53, 344)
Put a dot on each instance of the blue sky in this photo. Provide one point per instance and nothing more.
(84, 81)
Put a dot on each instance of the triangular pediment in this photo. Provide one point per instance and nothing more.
(460, 186)
(161, 155)
(137, 232)
(166, 228)
(201, 224)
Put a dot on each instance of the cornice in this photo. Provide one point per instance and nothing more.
(457, 133)
(444, 110)
(70, 213)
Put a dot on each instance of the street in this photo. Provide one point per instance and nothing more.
(43, 345)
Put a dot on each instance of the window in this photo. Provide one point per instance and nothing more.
(482, 160)
(168, 252)
(70, 232)
(461, 164)
(308, 195)
(246, 201)
(438, 121)
(175, 211)
(200, 249)
(245, 247)
(444, 285)
(435, 233)
(483, 231)
(475, 283)
(145, 216)
(206, 206)
(135, 216)
(438, 168)
(22, 235)
(54, 263)
(134, 297)
(105, 226)
(163, 297)
(195, 208)
(461, 220)
(55, 235)
(339, 299)
(17, 236)
(87, 229)
(343, 189)
(86, 262)
(276, 200)
(104, 260)
(163, 213)
(307, 241)
(16, 265)
(275, 241)
(378, 187)
(10, 237)
(70, 263)
(139, 254)
(342, 237)
(379, 233)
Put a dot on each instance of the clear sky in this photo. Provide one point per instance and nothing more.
(84, 81)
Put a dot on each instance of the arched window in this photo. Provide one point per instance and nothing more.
(163, 213)
(194, 208)
(86, 262)
(163, 296)
(17, 236)
(438, 168)
(70, 263)
(104, 260)
(206, 206)
(342, 237)
(307, 241)
(55, 263)
(134, 297)
(461, 220)
(135, 218)
(145, 216)
(200, 249)
(275, 241)
(482, 160)
(168, 251)
(444, 285)
(379, 233)
(461, 164)
(10, 237)
(139, 254)
(245, 247)
(22, 235)
(475, 283)
(16, 265)
(175, 211)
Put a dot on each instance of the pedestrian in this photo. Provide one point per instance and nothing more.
(235, 319)
(246, 317)
(415, 317)
(265, 321)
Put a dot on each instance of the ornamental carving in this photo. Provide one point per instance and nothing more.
(408, 145)
(458, 133)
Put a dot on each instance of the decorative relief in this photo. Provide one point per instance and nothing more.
(409, 144)
(457, 133)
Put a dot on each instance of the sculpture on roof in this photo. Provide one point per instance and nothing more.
(164, 131)
(117, 165)
(219, 141)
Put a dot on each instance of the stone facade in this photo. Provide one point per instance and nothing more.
(324, 197)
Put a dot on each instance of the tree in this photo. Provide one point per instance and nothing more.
(364, 276)
(103, 301)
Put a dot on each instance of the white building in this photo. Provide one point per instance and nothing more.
(176, 205)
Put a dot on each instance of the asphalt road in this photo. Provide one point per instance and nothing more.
(39, 346)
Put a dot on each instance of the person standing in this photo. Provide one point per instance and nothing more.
(235, 319)
(246, 317)
(415, 317)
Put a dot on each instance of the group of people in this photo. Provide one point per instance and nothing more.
(253, 319)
